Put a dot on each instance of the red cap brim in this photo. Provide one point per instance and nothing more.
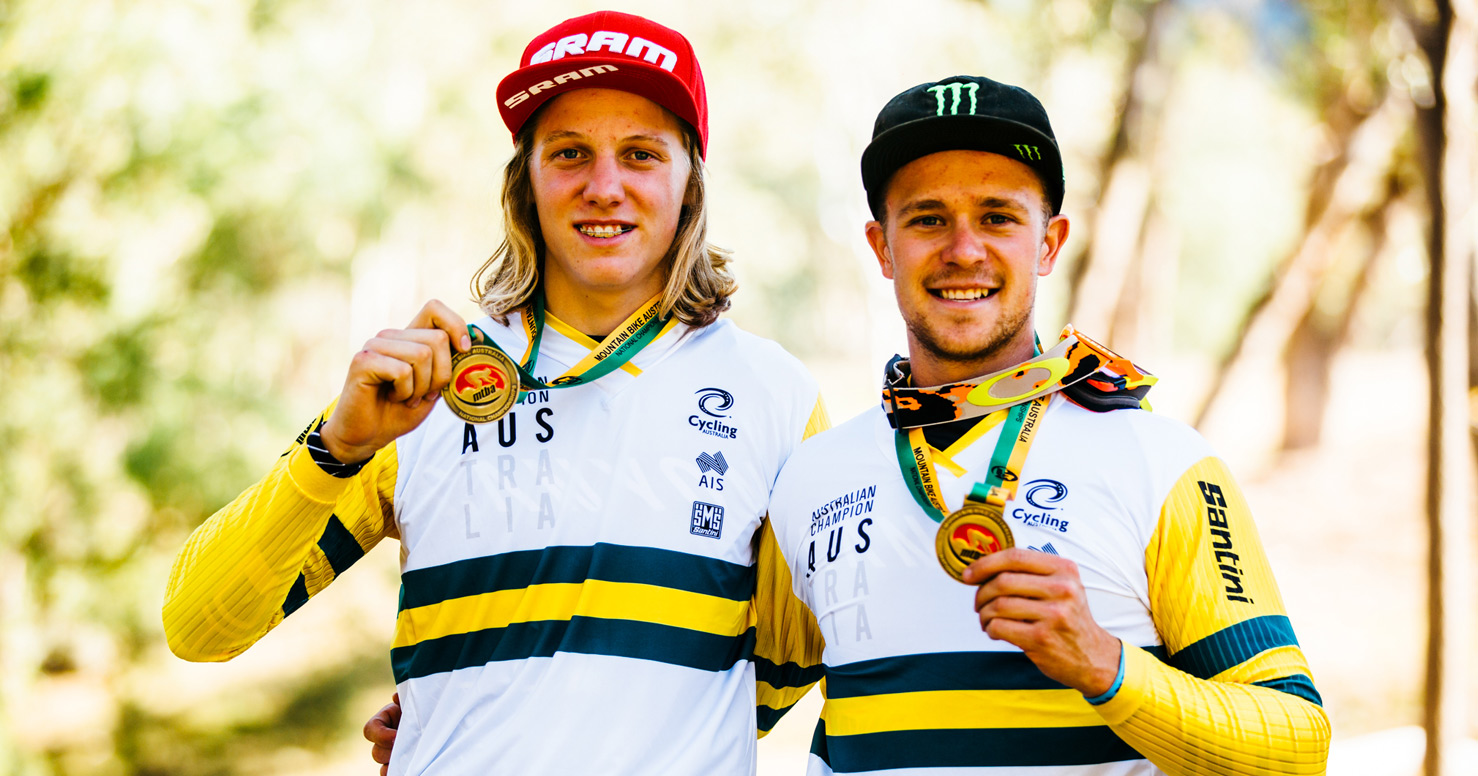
(625, 74)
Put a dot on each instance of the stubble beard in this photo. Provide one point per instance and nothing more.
(1001, 335)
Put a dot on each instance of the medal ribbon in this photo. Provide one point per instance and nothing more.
(1006, 462)
(636, 332)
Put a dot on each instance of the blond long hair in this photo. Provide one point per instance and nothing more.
(698, 284)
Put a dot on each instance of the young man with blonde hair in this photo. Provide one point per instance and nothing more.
(579, 481)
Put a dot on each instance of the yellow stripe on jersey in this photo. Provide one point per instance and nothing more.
(1217, 607)
(819, 420)
(956, 710)
(563, 601)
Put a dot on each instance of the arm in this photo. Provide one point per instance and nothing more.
(263, 555)
(787, 651)
(323, 505)
(1236, 696)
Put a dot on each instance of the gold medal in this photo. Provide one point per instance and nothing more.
(484, 385)
(970, 533)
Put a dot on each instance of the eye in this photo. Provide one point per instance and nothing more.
(640, 155)
(927, 221)
(999, 219)
(567, 153)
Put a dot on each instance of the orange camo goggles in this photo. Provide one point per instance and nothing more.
(1083, 369)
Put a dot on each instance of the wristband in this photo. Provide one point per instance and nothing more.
(1113, 689)
(326, 460)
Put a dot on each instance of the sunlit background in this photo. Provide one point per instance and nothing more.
(209, 204)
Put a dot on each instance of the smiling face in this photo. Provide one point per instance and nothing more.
(964, 240)
(609, 170)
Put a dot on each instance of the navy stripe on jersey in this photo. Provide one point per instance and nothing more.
(942, 671)
(766, 717)
(1234, 645)
(787, 675)
(297, 595)
(979, 748)
(342, 551)
(553, 565)
(1297, 684)
(583, 635)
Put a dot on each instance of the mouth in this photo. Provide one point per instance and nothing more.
(604, 231)
(962, 294)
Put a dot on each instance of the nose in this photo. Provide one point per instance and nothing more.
(604, 187)
(965, 246)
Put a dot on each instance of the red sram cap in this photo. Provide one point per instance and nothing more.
(608, 50)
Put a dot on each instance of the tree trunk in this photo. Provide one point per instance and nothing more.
(1447, 133)
(1316, 341)
(1099, 277)
(1271, 319)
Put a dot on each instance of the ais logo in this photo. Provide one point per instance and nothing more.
(480, 383)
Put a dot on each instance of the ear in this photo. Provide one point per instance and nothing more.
(1052, 242)
(879, 242)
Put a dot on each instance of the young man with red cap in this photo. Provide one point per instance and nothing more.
(579, 481)
(1117, 613)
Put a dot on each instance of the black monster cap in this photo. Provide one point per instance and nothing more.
(962, 113)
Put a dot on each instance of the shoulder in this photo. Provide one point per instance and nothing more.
(738, 350)
(1130, 430)
(838, 452)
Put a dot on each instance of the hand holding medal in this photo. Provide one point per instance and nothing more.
(393, 382)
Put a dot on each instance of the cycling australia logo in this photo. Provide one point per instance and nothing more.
(1045, 497)
(713, 406)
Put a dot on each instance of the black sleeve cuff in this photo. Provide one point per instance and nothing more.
(325, 460)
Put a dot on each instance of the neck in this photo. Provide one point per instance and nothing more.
(596, 312)
(929, 368)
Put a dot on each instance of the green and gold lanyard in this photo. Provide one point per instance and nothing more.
(979, 527)
(486, 382)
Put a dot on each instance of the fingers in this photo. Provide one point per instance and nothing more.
(1018, 560)
(1052, 587)
(427, 363)
(437, 316)
(380, 730)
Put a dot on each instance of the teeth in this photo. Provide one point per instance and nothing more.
(602, 230)
(964, 294)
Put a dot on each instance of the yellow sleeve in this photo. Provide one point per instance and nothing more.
(1235, 694)
(280, 542)
(787, 650)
